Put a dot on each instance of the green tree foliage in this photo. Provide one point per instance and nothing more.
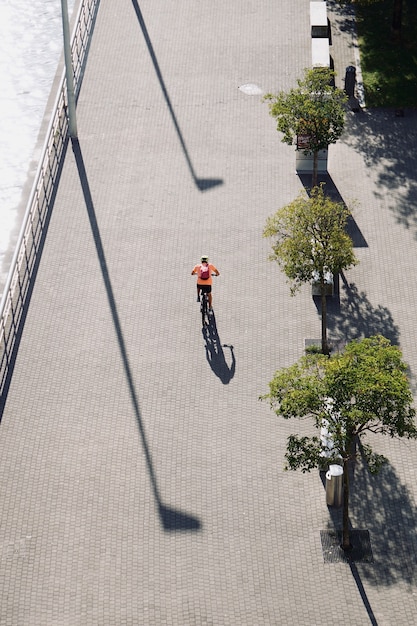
(314, 109)
(396, 24)
(387, 36)
(362, 390)
(397, 12)
(309, 239)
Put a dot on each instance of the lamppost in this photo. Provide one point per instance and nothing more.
(72, 119)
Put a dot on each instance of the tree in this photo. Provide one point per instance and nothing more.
(396, 22)
(362, 390)
(310, 240)
(396, 17)
(314, 111)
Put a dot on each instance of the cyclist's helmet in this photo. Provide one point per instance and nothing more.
(204, 258)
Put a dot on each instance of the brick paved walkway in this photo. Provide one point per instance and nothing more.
(141, 478)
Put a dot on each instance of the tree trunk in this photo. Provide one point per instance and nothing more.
(346, 545)
(315, 169)
(324, 346)
(396, 20)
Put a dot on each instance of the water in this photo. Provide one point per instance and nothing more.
(31, 44)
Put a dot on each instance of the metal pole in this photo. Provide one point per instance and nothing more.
(72, 119)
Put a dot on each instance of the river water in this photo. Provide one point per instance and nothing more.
(31, 43)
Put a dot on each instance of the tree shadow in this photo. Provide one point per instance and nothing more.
(350, 316)
(387, 145)
(383, 506)
(203, 184)
(343, 14)
(356, 317)
(215, 355)
(171, 519)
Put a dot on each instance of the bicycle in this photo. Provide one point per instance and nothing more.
(204, 307)
(204, 310)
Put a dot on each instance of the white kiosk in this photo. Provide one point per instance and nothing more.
(318, 19)
(320, 57)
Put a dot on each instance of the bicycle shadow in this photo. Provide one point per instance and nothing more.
(214, 352)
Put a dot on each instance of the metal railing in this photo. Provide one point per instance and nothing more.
(33, 230)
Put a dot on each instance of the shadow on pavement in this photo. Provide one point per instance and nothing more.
(362, 593)
(387, 145)
(350, 316)
(344, 16)
(384, 506)
(171, 519)
(352, 228)
(215, 355)
(355, 317)
(33, 260)
(203, 184)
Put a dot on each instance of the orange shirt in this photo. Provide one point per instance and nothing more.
(201, 281)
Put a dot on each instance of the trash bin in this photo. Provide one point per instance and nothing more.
(334, 483)
(350, 80)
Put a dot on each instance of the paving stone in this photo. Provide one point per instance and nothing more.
(142, 480)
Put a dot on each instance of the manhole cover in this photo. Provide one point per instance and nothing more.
(250, 89)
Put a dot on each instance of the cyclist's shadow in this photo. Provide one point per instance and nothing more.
(215, 355)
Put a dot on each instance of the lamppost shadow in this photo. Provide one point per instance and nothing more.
(203, 184)
(171, 519)
(215, 355)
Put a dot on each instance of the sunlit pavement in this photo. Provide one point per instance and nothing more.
(142, 480)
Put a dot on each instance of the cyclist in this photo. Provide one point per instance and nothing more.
(204, 270)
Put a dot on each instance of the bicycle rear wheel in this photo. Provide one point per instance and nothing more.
(204, 309)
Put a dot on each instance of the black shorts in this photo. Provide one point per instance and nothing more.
(204, 288)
